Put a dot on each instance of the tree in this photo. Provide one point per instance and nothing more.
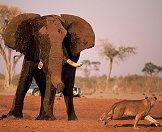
(110, 52)
(9, 60)
(88, 66)
(96, 65)
(151, 69)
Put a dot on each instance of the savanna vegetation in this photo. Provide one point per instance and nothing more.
(7, 55)
(149, 82)
(129, 84)
(126, 84)
(110, 52)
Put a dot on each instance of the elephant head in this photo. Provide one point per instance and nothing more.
(53, 39)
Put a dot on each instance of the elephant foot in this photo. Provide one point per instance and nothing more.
(10, 116)
(3, 116)
(38, 117)
(60, 87)
(45, 117)
(72, 117)
(15, 114)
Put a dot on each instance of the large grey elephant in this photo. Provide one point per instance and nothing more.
(51, 46)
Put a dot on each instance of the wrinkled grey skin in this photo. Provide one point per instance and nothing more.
(51, 39)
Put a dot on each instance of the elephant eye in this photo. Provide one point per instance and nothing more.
(46, 27)
(39, 37)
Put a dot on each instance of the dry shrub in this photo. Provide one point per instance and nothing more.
(126, 84)
(1, 84)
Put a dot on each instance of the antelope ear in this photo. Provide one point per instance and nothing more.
(18, 33)
(81, 33)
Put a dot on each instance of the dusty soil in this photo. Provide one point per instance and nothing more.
(88, 111)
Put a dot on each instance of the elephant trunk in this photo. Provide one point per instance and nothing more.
(55, 66)
(55, 33)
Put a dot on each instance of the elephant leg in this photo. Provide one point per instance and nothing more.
(46, 111)
(51, 100)
(68, 79)
(40, 79)
(23, 86)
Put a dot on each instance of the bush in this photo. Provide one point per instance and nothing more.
(130, 83)
(2, 77)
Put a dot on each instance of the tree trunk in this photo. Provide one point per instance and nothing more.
(8, 70)
(7, 80)
(5, 62)
(109, 72)
(5, 52)
(16, 59)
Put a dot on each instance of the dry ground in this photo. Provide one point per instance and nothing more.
(88, 111)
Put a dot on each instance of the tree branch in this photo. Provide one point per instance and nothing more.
(15, 60)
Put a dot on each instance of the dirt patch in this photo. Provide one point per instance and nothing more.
(88, 111)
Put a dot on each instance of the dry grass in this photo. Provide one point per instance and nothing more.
(117, 87)
(122, 85)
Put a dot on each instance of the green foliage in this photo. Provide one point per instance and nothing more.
(151, 69)
(96, 65)
(86, 62)
(88, 66)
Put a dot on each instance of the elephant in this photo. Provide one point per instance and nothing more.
(51, 46)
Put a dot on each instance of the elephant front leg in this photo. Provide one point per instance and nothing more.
(40, 79)
(70, 107)
(46, 110)
(68, 79)
(23, 86)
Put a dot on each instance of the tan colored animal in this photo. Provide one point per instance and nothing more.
(137, 108)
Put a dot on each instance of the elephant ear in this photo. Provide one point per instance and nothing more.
(81, 33)
(18, 33)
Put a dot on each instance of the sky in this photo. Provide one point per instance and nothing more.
(136, 23)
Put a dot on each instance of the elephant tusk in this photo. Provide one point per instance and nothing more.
(40, 64)
(74, 64)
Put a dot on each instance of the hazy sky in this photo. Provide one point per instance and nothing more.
(135, 23)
